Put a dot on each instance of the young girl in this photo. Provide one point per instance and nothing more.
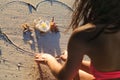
(98, 37)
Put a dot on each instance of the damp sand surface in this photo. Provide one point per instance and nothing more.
(16, 64)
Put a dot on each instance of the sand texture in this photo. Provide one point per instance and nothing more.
(16, 57)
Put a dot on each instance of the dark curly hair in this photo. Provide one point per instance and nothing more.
(97, 12)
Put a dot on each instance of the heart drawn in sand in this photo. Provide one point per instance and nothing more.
(35, 7)
(15, 13)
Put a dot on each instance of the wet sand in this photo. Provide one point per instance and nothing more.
(15, 63)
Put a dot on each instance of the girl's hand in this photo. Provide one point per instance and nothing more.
(64, 56)
(43, 58)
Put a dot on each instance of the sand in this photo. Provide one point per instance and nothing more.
(16, 61)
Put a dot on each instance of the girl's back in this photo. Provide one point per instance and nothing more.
(105, 51)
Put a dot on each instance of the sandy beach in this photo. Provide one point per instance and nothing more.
(16, 57)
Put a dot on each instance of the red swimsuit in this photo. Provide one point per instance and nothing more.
(104, 75)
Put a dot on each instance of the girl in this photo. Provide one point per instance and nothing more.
(98, 37)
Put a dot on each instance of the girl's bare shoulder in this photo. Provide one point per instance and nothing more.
(87, 27)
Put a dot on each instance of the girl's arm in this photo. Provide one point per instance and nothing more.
(77, 47)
